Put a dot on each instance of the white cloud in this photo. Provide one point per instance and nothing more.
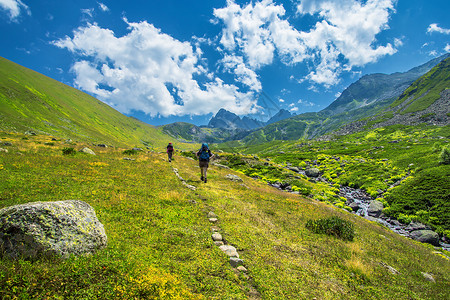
(281, 100)
(435, 28)
(305, 103)
(447, 48)
(433, 53)
(87, 11)
(293, 109)
(13, 8)
(343, 38)
(147, 70)
(243, 74)
(103, 7)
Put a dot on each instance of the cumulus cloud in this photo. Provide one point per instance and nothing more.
(447, 48)
(14, 8)
(435, 28)
(147, 70)
(344, 36)
(103, 7)
(243, 74)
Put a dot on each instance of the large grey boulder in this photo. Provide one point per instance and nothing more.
(87, 151)
(375, 208)
(426, 236)
(42, 229)
(312, 172)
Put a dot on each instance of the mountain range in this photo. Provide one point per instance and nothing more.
(367, 97)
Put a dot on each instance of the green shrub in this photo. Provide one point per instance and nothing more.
(334, 226)
(68, 151)
(444, 157)
(130, 152)
(436, 147)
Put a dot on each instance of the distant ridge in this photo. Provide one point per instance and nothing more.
(228, 120)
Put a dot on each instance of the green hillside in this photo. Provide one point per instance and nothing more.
(425, 90)
(159, 235)
(30, 101)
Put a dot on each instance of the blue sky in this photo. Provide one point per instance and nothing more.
(179, 60)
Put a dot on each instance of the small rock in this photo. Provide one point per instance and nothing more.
(236, 262)
(354, 206)
(229, 250)
(218, 243)
(416, 226)
(4, 150)
(212, 215)
(213, 220)
(127, 158)
(242, 269)
(428, 277)
(216, 236)
(87, 151)
(234, 178)
(215, 229)
(7, 144)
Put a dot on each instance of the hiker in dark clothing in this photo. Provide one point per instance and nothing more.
(204, 155)
(170, 151)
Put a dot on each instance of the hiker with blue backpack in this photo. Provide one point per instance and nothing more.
(204, 155)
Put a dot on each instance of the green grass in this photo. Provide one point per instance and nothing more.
(159, 237)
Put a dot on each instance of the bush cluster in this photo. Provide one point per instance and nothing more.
(444, 156)
(68, 151)
(334, 226)
(130, 152)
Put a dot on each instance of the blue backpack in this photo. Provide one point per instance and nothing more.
(204, 153)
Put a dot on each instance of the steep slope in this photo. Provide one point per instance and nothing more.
(30, 101)
(427, 101)
(377, 87)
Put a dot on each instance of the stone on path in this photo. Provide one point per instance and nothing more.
(212, 215)
(42, 229)
(229, 250)
(236, 262)
(213, 220)
(242, 269)
(216, 236)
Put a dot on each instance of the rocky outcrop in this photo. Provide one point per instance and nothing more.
(375, 208)
(41, 229)
(426, 236)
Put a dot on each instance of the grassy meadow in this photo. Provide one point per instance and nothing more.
(159, 236)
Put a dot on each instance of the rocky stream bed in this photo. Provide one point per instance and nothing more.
(364, 205)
